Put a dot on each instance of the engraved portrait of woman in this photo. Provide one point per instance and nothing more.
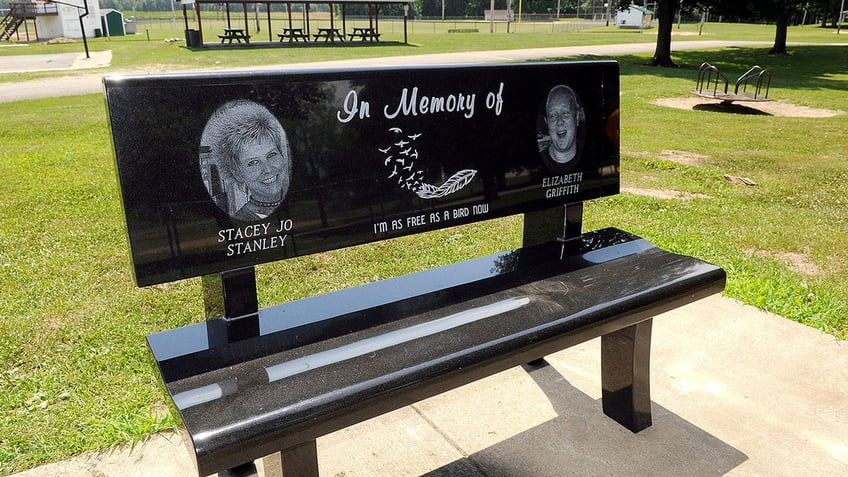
(245, 160)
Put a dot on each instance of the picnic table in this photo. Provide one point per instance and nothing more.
(364, 33)
(328, 34)
(293, 34)
(236, 34)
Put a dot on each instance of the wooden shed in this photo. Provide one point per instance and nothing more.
(112, 22)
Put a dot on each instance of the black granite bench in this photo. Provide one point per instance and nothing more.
(348, 157)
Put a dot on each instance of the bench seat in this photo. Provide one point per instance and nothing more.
(424, 336)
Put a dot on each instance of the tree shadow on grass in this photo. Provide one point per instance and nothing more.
(808, 67)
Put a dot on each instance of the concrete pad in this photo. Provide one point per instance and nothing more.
(401, 443)
(735, 391)
(95, 59)
(775, 389)
(28, 63)
(163, 455)
(753, 384)
(55, 61)
(484, 413)
(582, 441)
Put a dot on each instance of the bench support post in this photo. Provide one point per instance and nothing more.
(551, 224)
(301, 460)
(573, 220)
(625, 375)
(232, 295)
(244, 470)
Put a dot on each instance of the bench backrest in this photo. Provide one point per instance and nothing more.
(227, 170)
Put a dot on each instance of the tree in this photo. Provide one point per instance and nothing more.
(665, 12)
(781, 12)
(781, 32)
(826, 10)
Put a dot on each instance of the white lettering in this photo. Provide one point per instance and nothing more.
(352, 107)
(256, 245)
(495, 101)
(554, 181)
(406, 106)
(285, 226)
(562, 190)
(255, 237)
(411, 105)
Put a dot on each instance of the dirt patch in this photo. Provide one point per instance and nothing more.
(683, 157)
(664, 193)
(771, 108)
(59, 41)
(739, 180)
(798, 262)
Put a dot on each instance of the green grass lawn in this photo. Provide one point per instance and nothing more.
(75, 374)
(782, 241)
(138, 53)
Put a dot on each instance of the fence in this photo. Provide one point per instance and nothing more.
(388, 24)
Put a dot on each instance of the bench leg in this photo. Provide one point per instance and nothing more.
(244, 470)
(626, 377)
(300, 461)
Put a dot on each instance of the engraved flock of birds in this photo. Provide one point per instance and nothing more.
(400, 158)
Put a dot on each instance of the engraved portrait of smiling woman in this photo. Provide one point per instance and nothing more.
(245, 160)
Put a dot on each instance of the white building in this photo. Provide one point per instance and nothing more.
(67, 22)
(53, 19)
(634, 17)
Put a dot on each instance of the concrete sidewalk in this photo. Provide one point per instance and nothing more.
(54, 62)
(91, 83)
(735, 391)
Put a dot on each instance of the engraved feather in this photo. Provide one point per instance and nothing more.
(453, 184)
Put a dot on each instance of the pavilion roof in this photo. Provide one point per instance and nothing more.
(381, 2)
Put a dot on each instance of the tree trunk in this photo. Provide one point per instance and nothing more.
(780, 35)
(665, 15)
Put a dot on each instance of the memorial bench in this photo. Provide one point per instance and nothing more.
(369, 155)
